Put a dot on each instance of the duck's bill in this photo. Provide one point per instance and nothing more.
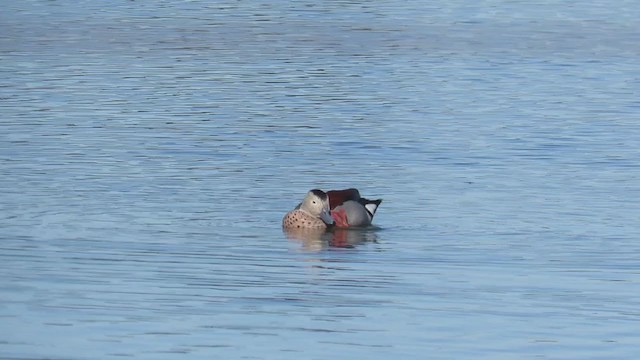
(326, 217)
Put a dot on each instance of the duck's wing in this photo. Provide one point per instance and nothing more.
(339, 197)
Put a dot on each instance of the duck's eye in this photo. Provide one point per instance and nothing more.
(314, 201)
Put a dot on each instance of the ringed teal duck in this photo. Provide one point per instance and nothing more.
(335, 208)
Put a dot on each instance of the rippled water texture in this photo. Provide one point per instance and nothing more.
(148, 151)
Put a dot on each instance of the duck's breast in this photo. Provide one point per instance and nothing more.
(298, 219)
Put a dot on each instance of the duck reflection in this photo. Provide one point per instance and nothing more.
(316, 240)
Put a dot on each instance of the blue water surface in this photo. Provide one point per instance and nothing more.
(148, 151)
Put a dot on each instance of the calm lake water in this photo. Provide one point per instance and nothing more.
(148, 151)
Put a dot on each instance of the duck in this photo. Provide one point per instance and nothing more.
(321, 210)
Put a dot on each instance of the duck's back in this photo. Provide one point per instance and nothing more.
(339, 197)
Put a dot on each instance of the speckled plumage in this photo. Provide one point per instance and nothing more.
(298, 219)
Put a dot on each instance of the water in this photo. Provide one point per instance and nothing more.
(148, 152)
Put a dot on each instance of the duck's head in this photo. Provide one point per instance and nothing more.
(316, 203)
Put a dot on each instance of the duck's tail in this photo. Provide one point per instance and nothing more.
(370, 205)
